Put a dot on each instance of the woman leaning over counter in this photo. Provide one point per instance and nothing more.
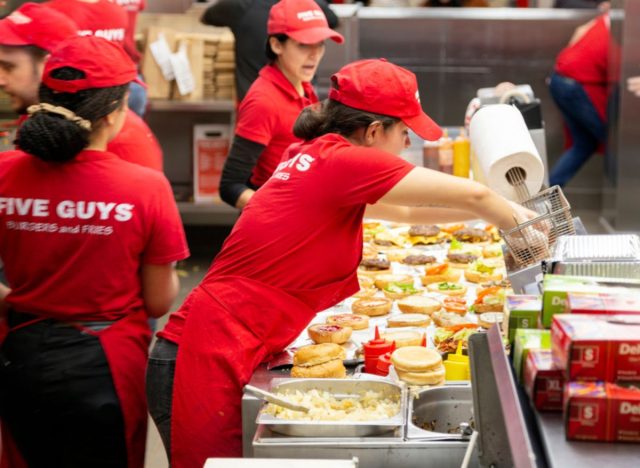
(295, 249)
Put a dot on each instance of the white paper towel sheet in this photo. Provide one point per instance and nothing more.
(501, 141)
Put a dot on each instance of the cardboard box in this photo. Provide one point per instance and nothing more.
(603, 303)
(521, 311)
(210, 149)
(556, 288)
(600, 411)
(526, 341)
(543, 380)
(597, 347)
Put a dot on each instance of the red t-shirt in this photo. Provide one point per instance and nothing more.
(303, 229)
(136, 143)
(587, 61)
(132, 8)
(102, 18)
(74, 236)
(266, 116)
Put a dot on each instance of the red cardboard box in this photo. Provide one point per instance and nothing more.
(603, 303)
(597, 347)
(543, 380)
(210, 149)
(600, 411)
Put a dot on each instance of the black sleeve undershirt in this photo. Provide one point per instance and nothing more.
(243, 157)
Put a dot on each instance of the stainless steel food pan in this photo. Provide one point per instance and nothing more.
(437, 413)
(304, 428)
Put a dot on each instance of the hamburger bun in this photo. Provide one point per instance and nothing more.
(354, 321)
(448, 319)
(419, 305)
(322, 333)
(447, 288)
(367, 288)
(474, 276)
(416, 359)
(492, 251)
(434, 377)
(312, 355)
(383, 280)
(396, 255)
(487, 319)
(439, 274)
(409, 320)
(455, 305)
(333, 369)
(372, 306)
(400, 293)
(403, 337)
(483, 308)
(373, 266)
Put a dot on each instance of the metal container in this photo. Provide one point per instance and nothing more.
(304, 428)
(444, 410)
(607, 256)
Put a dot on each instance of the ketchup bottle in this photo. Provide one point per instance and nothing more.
(373, 349)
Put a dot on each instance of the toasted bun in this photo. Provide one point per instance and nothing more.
(372, 306)
(455, 305)
(419, 305)
(482, 308)
(409, 320)
(404, 337)
(383, 280)
(396, 255)
(313, 355)
(448, 319)
(399, 294)
(487, 319)
(451, 276)
(322, 333)
(416, 359)
(435, 287)
(492, 251)
(355, 321)
(333, 369)
(477, 277)
(435, 377)
(372, 273)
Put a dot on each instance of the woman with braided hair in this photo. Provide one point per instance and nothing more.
(89, 243)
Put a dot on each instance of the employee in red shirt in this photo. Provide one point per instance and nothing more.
(102, 18)
(579, 87)
(89, 242)
(297, 30)
(295, 250)
(27, 36)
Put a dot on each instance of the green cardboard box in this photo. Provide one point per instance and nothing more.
(556, 287)
(523, 311)
(525, 341)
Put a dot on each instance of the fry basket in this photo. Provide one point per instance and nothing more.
(533, 241)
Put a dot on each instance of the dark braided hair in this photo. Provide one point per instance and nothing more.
(334, 117)
(50, 136)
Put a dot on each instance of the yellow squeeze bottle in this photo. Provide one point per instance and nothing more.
(461, 155)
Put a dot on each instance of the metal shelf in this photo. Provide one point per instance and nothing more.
(167, 105)
(207, 213)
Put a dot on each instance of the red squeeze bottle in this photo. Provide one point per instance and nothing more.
(384, 361)
(373, 349)
(424, 340)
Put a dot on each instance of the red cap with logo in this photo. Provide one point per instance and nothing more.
(36, 25)
(104, 63)
(380, 87)
(302, 21)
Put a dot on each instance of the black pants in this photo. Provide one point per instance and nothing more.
(58, 399)
(161, 370)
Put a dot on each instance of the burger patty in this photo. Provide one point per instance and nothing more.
(462, 257)
(375, 264)
(418, 259)
(424, 230)
(471, 235)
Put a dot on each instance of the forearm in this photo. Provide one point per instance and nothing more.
(414, 215)
(234, 182)
(4, 292)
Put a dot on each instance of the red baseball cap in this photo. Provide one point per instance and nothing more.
(380, 87)
(104, 63)
(37, 25)
(301, 20)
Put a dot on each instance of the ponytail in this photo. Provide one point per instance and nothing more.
(61, 126)
(334, 117)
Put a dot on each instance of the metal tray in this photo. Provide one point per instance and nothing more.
(627, 270)
(303, 428)
(603, 248)
(446, 406)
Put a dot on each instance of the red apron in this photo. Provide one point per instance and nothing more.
(232, 325)
(126, 346)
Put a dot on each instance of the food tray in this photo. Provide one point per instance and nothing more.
(444, 408)
(598, 269)
(302, 428)
(598, 248)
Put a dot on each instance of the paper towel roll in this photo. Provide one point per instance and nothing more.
(501, 141)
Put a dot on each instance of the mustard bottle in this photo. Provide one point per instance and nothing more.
(461, 155)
